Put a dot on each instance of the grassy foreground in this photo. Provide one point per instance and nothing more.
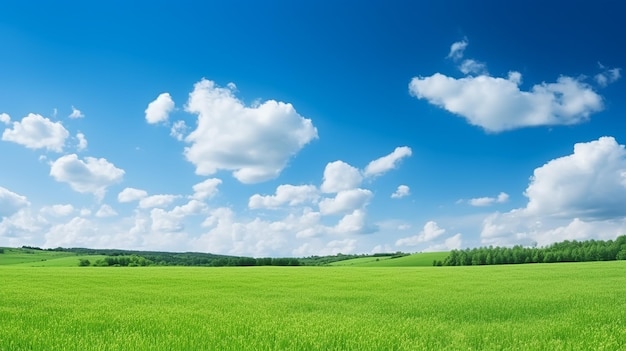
(578, 306)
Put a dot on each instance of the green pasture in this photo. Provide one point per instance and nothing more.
(69, 261)
(566, 306)
(414, 260)
(17, 256)
(359, 261)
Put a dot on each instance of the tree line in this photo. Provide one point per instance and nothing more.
(566, 251)
(166, 260)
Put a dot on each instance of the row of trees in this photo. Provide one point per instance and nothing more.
(566, 251)
(141, 261)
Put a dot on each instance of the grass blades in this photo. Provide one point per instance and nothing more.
(578, 306)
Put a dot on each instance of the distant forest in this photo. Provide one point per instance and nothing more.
(566, 251)
(130, 258)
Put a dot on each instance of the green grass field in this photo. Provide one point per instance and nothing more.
(415, 260)
(42, 258)
(18, 256)
(578, 306)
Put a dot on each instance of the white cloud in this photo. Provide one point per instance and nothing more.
(590, 183)
(78, 231)
(255, 142)
(452, 243)
(334, 247)
(256, 238)
(161, 200)
(457, 50)
(85, 212)
(331, 248)
(76, 113)
(285, 194)
(354, 223)
(131, 194)
(578, 196)
(497, 104)
(430, 232)
(307, 225)
(607, 76)
(172, 221)
(488, 201)
(37, 132)
(93, 175)
(470, 66)
(345, 201)
(11, 202)
(106, 211)
(386, 163)
(5, 118)
(82, 142)
(402, 191)
(21, 227)
(340, 176)
(206, 189)
(58, 210)
(178, 130)
(159, 110)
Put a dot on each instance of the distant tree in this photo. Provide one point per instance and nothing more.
(1, 251)
(83, 262)
(566, 251)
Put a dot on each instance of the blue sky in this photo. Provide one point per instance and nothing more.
(299, 128)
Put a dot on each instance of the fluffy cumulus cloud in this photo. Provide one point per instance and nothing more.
(255, 237)
(339, 176)
(58, 210)
(386, 163)
(93, 175)
(131, 194)
(401, 191)
(11, 202)
(37, 132)
(354, 223)
(76, 113)
(345, 201)
(590, 183)
(488, 201)
(498, 104)
(206, 189)
(452, 243)
(173, 221)
(178, 130)
(161, 200)
(431, 231)
(106, 211)
(158, 111)
(255, 142)
(578, 196)
(286, 194)
(21, 227)
(5, 118)
(82, 141)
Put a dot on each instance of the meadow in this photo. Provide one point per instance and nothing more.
(565, 306)
(424, 259)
